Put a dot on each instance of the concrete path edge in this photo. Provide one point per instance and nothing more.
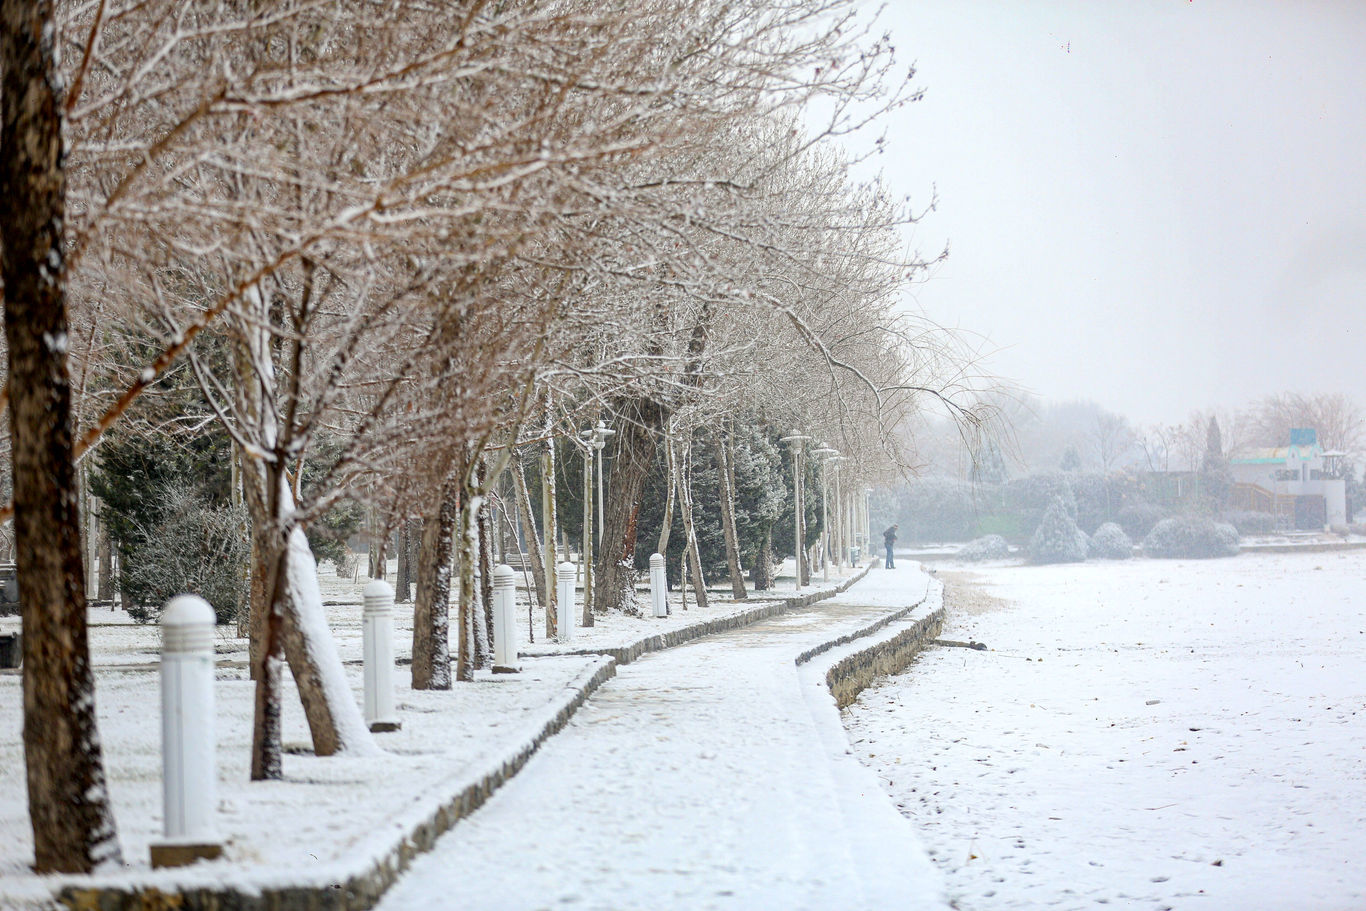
(358, 882)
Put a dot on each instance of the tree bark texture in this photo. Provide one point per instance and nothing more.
(637, 428)
(531, 546)
(73, 825)
(549, 523)
(403, 576)
(726, 491)
(483, 626)
(690, 551)
(431, 610)
(761, 573)
(466, 556)
(671, 473)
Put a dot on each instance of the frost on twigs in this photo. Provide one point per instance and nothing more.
(1191, 536)
(1057, 539)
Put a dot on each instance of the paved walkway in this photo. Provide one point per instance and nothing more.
(714, 775)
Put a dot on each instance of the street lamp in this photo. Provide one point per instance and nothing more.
(600, 435)
(795, 439)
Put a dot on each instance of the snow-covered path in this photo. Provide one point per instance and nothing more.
(1149, 734)
(701, 777)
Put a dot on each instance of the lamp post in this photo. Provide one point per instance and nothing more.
(600, 435)
(795, 440)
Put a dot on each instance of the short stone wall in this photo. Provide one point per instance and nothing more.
(364, 889)
(852, 674)
(889, 654)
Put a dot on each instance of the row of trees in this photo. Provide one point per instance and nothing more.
(1172, 469)
(383, 253)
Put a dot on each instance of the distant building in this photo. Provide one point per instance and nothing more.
(1298, 483)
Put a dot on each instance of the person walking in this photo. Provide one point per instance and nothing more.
(889, 538)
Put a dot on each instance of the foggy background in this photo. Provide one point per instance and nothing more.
(1155, 206)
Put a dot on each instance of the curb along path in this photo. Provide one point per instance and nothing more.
(374, 858)
(715, 775)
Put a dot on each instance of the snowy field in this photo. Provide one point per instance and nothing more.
(1142, 734)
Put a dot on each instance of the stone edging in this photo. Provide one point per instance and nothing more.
(853, 673)
(364, 890)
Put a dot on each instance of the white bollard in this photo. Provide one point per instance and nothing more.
(659, 586)
(564, 602)
(377, 631)
(188, 777)
(504, 620)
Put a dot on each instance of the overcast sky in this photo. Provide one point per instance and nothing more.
(1160, 206)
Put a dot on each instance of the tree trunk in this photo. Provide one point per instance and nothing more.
(104, 551)
(296, 626)
(614, 583)
(531, 547)
(431, 610)
(73, 825)
(761, 573)
(694, 558)
(548, 523)
(483, 642)
(464, 656)
(670, 472)
(379, 546)
(726, 491)
(403, 576)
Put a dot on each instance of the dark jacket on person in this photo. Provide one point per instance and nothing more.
(889, 536)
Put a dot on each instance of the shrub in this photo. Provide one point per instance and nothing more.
(1139, 518)
(1251, 523)
(1191, 536)
(1111, 543)
(197, 548)
(990, 547)
(1057, 539)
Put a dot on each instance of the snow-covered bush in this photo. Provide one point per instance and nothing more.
(1191, 536)
(1138, 519)
(1111, 543)
(1057, 539)
(1251, 523)
(988, 547)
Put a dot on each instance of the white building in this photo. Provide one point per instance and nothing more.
(1297, 483)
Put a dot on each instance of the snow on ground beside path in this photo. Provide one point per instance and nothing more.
(1142, 734)
(326, 807)
(699, 777)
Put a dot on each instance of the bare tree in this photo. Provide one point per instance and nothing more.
(73, 825)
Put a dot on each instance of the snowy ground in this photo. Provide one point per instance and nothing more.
(1142, 734)
(327, 809)
(709, 776)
